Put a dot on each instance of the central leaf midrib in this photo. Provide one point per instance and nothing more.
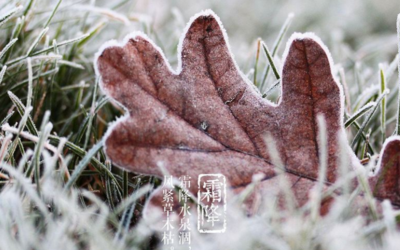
(313, 113)
(205, 35)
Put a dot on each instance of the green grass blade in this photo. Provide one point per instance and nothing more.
(28, 7)
(36, 41)
(21, 126)
(17, 85)
(82, 164)
(30, 83)
(256, 63)
(366, 96)
(50, 48)
(91, 115)
(85, 123)
(7, 47)
(389, 72)
(123, 226)
(274, 86)
(132, 198)
(125, 183)
(5, 120)
(271, 61)
(100, 167)
(21, 110)
(18, 27)
(45, 130)
(15, 33)
(9, 14)
(108, 187)
(52, 14)
(383, 103)
(276, 45)
(368, 118)
(92, 33)
(2, 72)
(358, 114)
(365, 147)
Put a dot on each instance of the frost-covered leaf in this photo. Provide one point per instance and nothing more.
(208, 118)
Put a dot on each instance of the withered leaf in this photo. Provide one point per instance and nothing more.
(386, 182)
(208, 118)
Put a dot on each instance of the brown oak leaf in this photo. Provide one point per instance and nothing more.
(206, 117)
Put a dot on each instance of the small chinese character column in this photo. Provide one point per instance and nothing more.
(167, 203)
(184, 225)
